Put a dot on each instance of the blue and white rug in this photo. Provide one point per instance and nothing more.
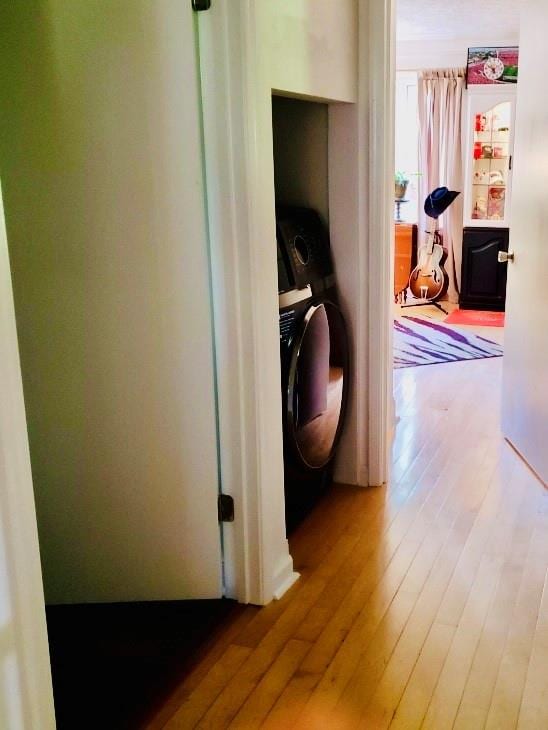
(420, 341)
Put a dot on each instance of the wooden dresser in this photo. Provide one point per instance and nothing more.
(405, 257)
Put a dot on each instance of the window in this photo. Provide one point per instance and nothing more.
(407, 139)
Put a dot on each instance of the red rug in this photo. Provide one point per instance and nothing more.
(475, 317)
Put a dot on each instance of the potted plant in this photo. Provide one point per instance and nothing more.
(401, 180)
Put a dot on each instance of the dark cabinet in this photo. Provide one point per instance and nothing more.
(483, 280)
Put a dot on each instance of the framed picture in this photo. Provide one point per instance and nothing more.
(491, 65)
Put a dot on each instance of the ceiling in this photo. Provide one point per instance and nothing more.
(457, 19)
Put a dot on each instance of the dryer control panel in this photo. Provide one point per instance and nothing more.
(304, 254)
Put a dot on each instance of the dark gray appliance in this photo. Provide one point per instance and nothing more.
(314, 358)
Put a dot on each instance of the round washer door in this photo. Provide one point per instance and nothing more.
(317, 385)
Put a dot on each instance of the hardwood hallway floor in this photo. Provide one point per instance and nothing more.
(423, 604)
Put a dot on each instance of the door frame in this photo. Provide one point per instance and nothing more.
(380, 40)
(258, 565)
(257, 562)
(25, 636)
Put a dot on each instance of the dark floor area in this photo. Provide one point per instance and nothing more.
(114, 664)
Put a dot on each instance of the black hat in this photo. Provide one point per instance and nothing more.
(438, 200)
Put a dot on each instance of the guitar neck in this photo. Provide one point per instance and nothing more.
(432, 237)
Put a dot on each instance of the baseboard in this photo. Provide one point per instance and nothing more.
(284, 578)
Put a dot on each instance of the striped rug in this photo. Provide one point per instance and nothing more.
(420, 341)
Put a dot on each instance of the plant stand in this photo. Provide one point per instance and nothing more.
(398, 202)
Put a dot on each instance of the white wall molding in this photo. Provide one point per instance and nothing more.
(377, 92)
(284, 577)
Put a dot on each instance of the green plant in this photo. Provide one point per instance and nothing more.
(402, 177)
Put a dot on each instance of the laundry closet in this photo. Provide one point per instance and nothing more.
(314, 132)
(296, 110)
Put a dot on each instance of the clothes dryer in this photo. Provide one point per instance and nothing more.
(314, 358)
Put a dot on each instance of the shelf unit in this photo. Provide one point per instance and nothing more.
(488, 149)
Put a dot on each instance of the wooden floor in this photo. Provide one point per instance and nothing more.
(421, 605)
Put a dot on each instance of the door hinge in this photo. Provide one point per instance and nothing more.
(225, 508)
(201, 5)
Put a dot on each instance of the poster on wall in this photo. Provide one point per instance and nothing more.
(490, 65)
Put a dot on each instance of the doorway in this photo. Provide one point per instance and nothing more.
(452, 129)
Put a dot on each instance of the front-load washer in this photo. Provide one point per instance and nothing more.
(314, 359)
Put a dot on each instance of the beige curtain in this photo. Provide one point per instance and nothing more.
(440, 156)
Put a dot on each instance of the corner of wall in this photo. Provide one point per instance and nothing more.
(284, 577)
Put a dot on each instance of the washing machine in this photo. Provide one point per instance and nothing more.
(314, 358)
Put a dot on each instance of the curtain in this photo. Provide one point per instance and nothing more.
(440, 157)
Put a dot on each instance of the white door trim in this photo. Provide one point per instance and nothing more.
(377, 53)
(255, 571)
(23, 635)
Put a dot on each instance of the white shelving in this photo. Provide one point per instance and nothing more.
(488, 147)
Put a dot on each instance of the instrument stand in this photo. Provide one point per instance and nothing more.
(424, 303)
(433, 231)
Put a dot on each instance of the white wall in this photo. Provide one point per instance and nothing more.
(100, 155)
(311, 46)
(26, 700)
(414, 55)
(301, 153)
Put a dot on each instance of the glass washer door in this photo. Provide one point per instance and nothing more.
(317, 385)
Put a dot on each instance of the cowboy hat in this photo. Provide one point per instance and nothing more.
(438, 200)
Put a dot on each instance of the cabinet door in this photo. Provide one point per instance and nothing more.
(483, 278)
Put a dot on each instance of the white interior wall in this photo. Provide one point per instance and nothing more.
(101, 153)
(311, 47)
(414, 55)
(301, 153)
